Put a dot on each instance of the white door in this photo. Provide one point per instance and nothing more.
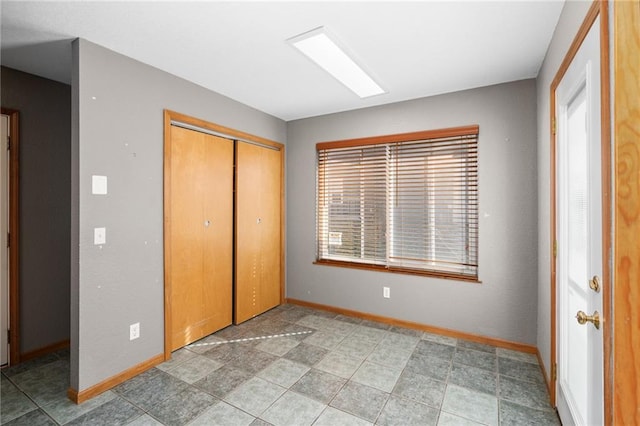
(4, 252)
(579, 235)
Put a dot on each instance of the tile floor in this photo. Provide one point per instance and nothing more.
(317, 368)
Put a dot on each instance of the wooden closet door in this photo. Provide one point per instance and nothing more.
(201, 237)
(258, 230)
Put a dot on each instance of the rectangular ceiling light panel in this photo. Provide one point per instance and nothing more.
(318, 46)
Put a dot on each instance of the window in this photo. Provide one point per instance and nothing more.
(406, 203)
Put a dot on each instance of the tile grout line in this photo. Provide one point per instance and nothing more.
(327, 327)
(37, 405)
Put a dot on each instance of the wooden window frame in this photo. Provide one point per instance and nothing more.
(471, 130)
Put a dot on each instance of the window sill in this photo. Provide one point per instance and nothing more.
(432, 274)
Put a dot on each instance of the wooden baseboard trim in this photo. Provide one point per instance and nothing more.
(44, 351)
(72, 394)
(97, 389)
(547, 379)
(506, 344)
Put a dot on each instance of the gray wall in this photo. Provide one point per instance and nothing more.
(504, 305)
(573, 13)
(118, 132)
(45, 183)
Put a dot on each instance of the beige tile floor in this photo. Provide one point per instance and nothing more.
(299, 366)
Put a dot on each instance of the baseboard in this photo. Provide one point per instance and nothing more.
(44, 350)
(547, 379)
(521, 347)
(97, 389)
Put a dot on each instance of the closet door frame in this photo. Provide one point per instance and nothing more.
(236, 135)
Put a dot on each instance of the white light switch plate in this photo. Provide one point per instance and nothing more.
(98, 185)
(99, 235)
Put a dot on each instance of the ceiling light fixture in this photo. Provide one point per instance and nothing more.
(322, 49)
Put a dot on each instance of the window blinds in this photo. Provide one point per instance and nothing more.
(402, 202)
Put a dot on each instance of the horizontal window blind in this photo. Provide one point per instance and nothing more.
(402, 204)
(352, 201)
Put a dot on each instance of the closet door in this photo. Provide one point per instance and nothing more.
(201, 235)
(258, 230)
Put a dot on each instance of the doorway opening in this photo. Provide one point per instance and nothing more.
(581, 226)
(9, 341)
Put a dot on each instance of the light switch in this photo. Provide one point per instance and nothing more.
(98, 185)
(99, 236)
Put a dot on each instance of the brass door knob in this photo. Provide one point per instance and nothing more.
(584, 318)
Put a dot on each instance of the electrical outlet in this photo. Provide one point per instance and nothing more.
(386, 292)
(134, 331)
(99, 236)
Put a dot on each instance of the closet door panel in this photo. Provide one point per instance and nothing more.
(201, 234)
(218, 233)
(186, 235)
(258, 253)
(270, 246)
(248, 262)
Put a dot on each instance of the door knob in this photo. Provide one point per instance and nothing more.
(584, 318)
(594, 284)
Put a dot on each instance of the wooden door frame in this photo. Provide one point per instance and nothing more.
(597, 9)
(14, 232)
(170, 116)
(626, 146)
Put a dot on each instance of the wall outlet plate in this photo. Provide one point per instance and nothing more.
(99, 236)
(134, 331)
(386, 292)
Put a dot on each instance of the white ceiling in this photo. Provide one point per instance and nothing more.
(414, 49)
